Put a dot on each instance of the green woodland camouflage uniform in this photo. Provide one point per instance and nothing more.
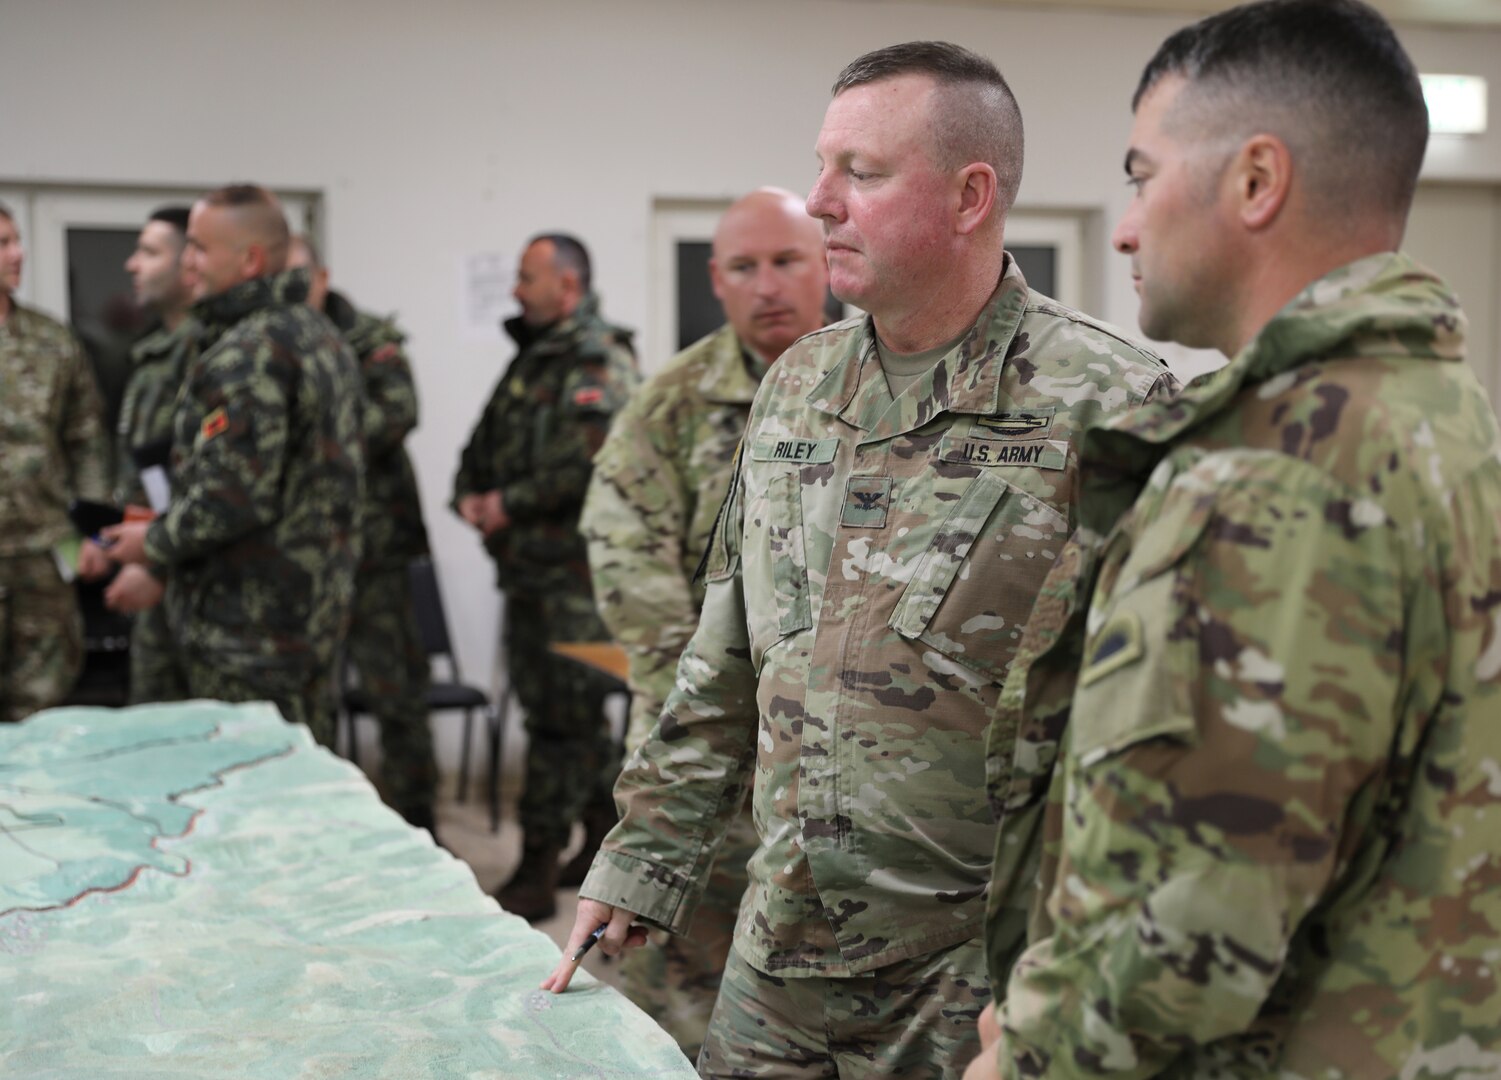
(536, 442)
(867, 589)
(263, 534)
(159, 364)
(383, 644)
(658, 484)
(52, 449)
(1274, 844)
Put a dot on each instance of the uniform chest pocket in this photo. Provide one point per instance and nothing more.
(775, 567)
(975, 584)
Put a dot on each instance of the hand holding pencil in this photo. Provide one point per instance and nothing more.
(609, 927)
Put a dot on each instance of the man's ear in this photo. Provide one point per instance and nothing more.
(976, 197)
(714, 278)
(253, 261)
(1262, 177)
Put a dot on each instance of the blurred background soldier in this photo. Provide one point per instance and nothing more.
(262, 536)
(163, 286)
(657, 487)
(383, 645)
(521, 483)
(52, 449)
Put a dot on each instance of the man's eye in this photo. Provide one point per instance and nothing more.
(856, 174)
(1136, 182)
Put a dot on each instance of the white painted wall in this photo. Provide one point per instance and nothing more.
(449, 127)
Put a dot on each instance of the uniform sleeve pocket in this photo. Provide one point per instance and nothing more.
(1141, 652)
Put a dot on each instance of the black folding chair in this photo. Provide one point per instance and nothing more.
(452, 694)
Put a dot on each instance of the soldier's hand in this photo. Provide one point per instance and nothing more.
(471, 509)
(134, 590)
(93, 563)
(985, 1066)
(591, 914)
(493, 516)
(127, 541)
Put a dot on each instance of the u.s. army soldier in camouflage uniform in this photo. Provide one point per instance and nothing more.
(867, 587)
(52, 449)
(521, 483)
(658, 484)
(383, 643)
(1270, 664)
(159, 364)
(262, 536)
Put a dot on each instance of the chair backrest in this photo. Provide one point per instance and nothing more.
(432, 624)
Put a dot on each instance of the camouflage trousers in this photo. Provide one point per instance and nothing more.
(301, 698)
(916, 1019)
(41, 635)
(675, 978)
(384, 647)
(571, 758)
(155, 674)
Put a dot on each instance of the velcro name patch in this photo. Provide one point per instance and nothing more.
(1036, 454)
(797, 451)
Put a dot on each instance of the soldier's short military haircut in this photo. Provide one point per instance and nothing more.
(568, 254)
(1327, 77)
(6, 214)
(976, 117)
(260, 212)
(175, 216)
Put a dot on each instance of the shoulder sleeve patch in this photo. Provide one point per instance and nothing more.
(215, 423)
(588, 396)
(1118, 643)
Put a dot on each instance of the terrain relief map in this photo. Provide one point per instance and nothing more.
(199, 890)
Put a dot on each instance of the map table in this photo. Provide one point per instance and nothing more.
(199, 890)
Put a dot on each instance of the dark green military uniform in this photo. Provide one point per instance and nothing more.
(383, 643)
(535, 443)
(263, 535)
(159, 363)
(52, 449)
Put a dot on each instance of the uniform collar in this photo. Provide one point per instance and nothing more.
(1380, 305)
(733, 372)
(966, 380)
(218, 313)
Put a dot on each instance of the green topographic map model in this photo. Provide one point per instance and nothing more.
(198, 890)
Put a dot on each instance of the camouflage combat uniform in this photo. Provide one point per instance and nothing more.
(52, 449)
(1273, 659)
(867, 587)
(159, 364)
(536, 442)
(262, 537)
(658, 484)
(384, 645)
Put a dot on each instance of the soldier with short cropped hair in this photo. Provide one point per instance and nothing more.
(521, 483)
(262, 537)
(905, 481)
(159, 362)
(52, 449)
(1269, 666)
(658, 484)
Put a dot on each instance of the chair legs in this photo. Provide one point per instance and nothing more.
(497, 726)
(464, 755)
